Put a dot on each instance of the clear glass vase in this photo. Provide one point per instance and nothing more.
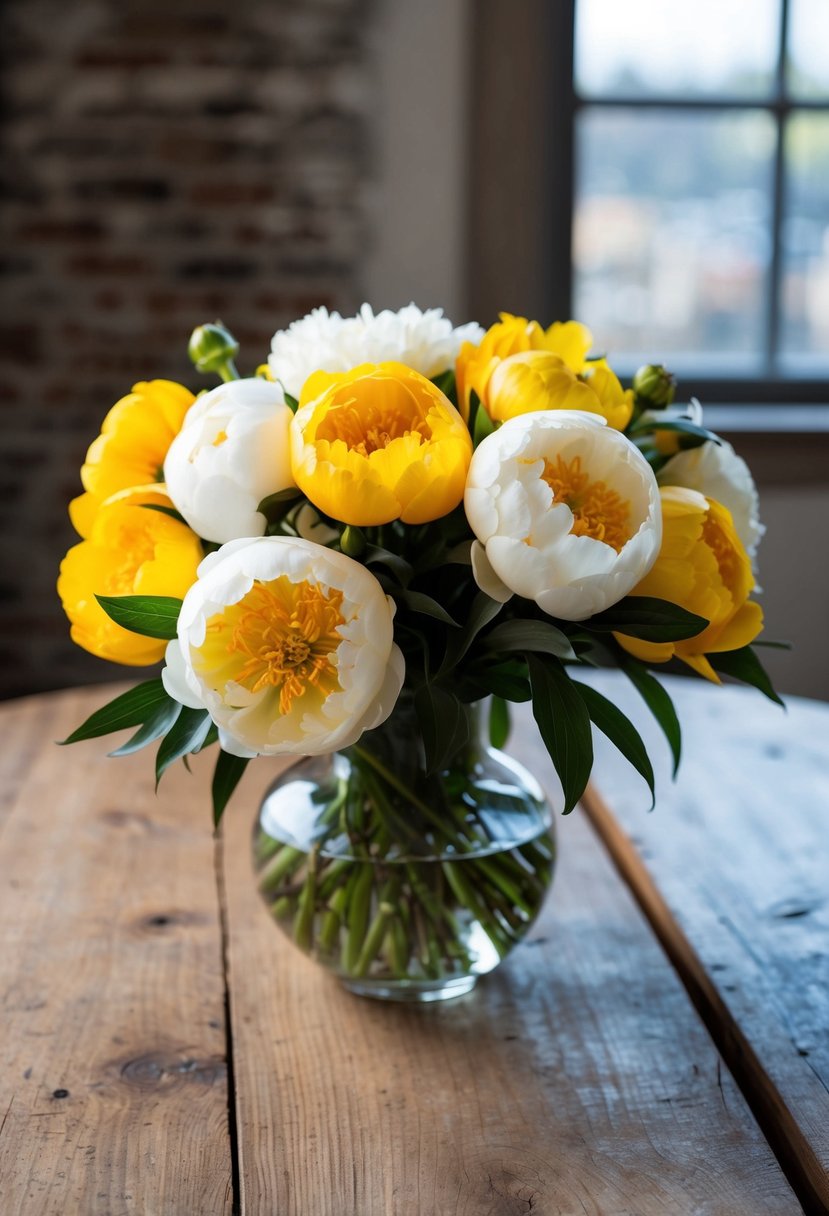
(407, 886)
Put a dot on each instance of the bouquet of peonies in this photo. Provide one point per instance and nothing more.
(390, 522)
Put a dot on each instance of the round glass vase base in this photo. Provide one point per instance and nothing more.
(412, 992)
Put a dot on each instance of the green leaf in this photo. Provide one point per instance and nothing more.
(474, 406)
(211, 737)
(537, 636)
(154, 616)
(652, 620)
(374, 555)
(226, 776)
(155, 726)
(162, 510)
(132, 708)
(773, 645)
(291, 402)
(683, 426)
(620, 731)
(444, 724)
(564, 723)
(446, 383)
(188, 735)
(500, 680)
(276, 506)
(744, 665)
(499, 722)
(483, 427)
(658, 702)
(424, 605)
(483, 610)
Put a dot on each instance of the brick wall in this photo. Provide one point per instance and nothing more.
(165, 162)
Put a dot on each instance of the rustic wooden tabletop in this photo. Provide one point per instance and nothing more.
(658, 1046)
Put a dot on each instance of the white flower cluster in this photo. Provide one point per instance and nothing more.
(325, 341)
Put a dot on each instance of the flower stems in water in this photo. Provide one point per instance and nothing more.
(384, 911)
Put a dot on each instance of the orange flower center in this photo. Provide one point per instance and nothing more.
(283, 635)
(384, 411)
(598, 511)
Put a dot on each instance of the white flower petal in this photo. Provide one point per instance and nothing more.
(324, 341)
(232, 451)
(176, 680)
(528, 536)
(485, 576)
(716, 471)
(369, 667)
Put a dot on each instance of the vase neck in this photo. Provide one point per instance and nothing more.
(402, 730)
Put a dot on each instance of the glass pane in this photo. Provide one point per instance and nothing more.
(692, 48)
(805, 294)
(808, 59)
(672, 235)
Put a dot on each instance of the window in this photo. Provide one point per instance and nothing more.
(676, 192)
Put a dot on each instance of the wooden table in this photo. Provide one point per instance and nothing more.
(659, 1045)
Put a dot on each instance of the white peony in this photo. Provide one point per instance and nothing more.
(288, 645)
(542, 492)
(719, 473)
(325, 341)
(232, 451)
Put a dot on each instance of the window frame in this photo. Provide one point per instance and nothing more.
(534, 43)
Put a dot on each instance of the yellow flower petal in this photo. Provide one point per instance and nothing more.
(379, 443)
(130, 551)
(702, 566)
(132, 445)
(570, 341)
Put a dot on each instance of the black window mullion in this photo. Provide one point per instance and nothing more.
(778, 197)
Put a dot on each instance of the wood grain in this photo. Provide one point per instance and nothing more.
(113, 1081)
(576, 1079)
(733, 872)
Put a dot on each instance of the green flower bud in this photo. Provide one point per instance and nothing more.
(352, 541)
(654, 386)
(212, 348)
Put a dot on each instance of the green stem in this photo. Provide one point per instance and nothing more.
(377, 929)
(359, 905)
(227, 371)
(466, 894)
(304, 921)
(395, 782)
(287, 860)
(333, 919)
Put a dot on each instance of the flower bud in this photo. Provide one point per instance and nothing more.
(352, 541)
(654, 386)
(212, 348)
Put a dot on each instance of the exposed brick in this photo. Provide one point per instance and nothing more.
(164, 164)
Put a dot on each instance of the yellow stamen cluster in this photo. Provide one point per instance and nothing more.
(598, 511)
(370, 426)
(284, 634)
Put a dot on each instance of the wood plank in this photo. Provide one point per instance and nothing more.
(576, 1079)
(733, 872)
(113, 1085)
(23, 724)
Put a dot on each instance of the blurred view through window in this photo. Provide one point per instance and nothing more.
(701, 221)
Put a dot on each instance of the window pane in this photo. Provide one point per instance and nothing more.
(808, 59)
(805, 333)
(685, 47)
(672, 235)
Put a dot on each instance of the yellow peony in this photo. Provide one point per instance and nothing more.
(702, 566)
(378, 443)
(130, 551)
(511, 335)
(131, 447)
(538, 380)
